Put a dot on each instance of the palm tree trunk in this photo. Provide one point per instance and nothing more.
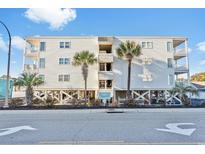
(29, 96)
(85, 91)
(128, 79)
(85, 76)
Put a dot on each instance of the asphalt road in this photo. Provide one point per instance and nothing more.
(134, 126)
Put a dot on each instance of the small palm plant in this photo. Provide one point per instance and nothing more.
(84, 59)
(29, 81)
(128, 50)
(182, 90)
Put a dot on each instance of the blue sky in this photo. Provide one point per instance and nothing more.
(179, 22)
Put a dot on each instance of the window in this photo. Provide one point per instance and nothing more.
(63, 61)
(63, 78)
(105, 66)
(108, 66)
(60, 61)
(170, 79)
(105, 84)
(109, 84)
(143, 44)
(66, 78)
(102, 84)
(42, 46)
(66, 61)
(60, 78)
(147, 45)
(169, 62)
(61, 44)
(102, 66)
(169, 46)
(65, 44)
(42, 63)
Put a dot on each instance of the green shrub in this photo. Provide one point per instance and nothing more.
(15, 102)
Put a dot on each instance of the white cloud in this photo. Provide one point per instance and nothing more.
(17, 42)
(57, 18)
(201, 46)
(202, 62)
(3, 45)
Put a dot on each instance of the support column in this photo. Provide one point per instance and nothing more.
(149, 97)
(78, 93)
(187, 60)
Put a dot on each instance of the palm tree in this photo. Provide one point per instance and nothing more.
(181, 90)
(29, 81)
(16, 84)
(128, 50)
(84, 59)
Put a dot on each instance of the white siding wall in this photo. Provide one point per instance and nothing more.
(158, 68)
(53, 69)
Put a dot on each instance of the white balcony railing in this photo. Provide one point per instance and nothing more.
(30, 68)
(105, 57)
(31, 52)
(181, 69)
(105, 75)
(180, 54)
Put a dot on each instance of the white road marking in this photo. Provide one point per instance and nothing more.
(12, 130)
(173, 128)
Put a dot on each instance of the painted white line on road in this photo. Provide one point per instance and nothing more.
(8, 131)
(173, 128)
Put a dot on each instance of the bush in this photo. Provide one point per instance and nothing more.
(50, 102)
(202, 105)
(15, 102)
(94, 103)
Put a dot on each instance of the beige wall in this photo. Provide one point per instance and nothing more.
(53, 69)
(158, 68)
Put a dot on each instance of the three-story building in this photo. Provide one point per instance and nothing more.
(164, 60)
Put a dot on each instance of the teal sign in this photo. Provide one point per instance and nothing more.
(3, 88)
(104, 95)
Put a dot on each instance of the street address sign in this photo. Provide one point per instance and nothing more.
(104, 95)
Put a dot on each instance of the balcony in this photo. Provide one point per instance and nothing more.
(30, 68)
(180, 54)
(105, 75)
(105, 40)
(181, 69)
(105, 57)
(31, 52)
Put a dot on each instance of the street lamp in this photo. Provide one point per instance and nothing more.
(6, 105)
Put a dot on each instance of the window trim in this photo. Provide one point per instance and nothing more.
(44, 49)
(63, 77)
(40, 63)
(64, 44)
(168, 64)
(62, 61)
(169, 48)
(146, 44)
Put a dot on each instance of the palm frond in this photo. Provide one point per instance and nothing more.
(128, 48)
